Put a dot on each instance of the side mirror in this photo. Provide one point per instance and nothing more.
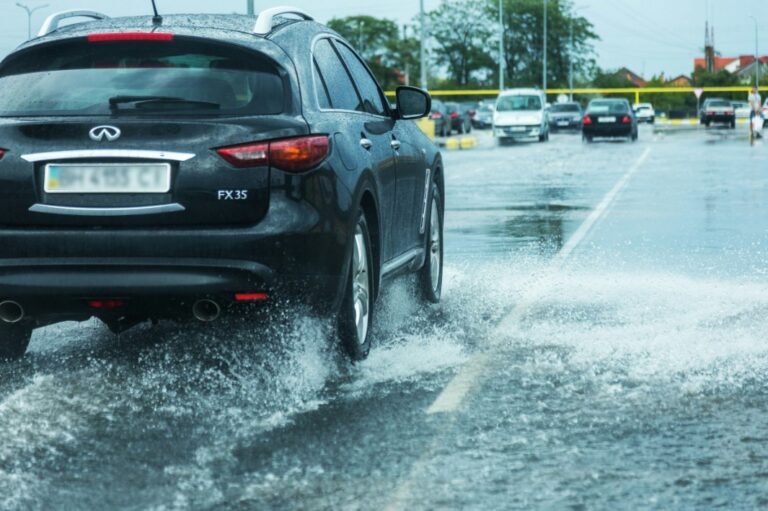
(412, 103)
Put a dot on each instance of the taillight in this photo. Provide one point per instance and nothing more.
(251, 297)
(244, 156)
(108, 305)
(292, 155)
(129, 36)
(626, 120)
(298, 154)
(710, 113)
(436, 115)
(2, 153)
(587, 119)
(454, 115)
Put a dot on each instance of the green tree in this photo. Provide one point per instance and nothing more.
(461, 30)
(379, 43)
(524, 41)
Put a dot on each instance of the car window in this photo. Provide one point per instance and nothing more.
(518, 103)
(342, 92)
(720, 104)
(569, 107)
(613, 107)
(321, 89)
(76, 77)
(372, 100)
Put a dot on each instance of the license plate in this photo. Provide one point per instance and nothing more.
(517, 129)
(108, 178)
(562, 123)
(606, 119)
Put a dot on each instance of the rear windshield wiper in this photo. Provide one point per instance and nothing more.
(115, 101)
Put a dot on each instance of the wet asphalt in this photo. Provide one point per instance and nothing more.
(628, 374)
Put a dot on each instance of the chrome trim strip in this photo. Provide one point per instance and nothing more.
(51, 23)
(427, 182)
(107, 153)
(72, 211)
(401, 261)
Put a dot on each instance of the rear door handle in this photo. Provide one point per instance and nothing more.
(395, 145)
(366, 143)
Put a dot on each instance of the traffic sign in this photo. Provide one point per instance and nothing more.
(698, 92)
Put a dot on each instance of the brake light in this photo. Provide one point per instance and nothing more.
(587, 120)
(454, 115)
(436, 115)
(130, 36)
(251, 297)
(292, 155)
(105, 304)
(626, 120)
(298, 154)
(2, 153)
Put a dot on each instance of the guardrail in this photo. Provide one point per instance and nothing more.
(637, 91)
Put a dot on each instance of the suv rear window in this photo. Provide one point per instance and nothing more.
(172, 77)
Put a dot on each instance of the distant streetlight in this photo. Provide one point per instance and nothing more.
(249, 8)
(29, 16)
(757, 56)
(423, 50)
(544, 80)
(501, 44)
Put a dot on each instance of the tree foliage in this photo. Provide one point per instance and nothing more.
(462, 31)
(379, 43)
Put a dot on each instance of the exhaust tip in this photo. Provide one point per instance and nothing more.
(206, 310)
(11, 312)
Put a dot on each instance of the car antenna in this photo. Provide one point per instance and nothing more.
(157, 20)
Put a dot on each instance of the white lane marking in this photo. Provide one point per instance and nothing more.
(457, 389)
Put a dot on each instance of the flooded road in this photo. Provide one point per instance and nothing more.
(601, 345)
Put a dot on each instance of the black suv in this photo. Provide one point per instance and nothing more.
(180, 167)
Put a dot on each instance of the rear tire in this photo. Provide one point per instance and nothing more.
(356, 315)
(431, 274)
(14, 339)
(587, 139)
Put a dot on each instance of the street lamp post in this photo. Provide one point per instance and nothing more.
(757, 55)
(544, 80)
(423, 50)
(29, 16)
(501, 45)
(250, 8)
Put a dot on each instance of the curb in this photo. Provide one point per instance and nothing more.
(460, 143)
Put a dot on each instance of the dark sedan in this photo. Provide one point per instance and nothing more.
(609, 118)
(439, 115)
(565, 116)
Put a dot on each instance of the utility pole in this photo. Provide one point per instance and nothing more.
(501, 45)
(423, 50)
(29, 16)
(250, 9)
(570, 61)
(757, 56)
(544, 80)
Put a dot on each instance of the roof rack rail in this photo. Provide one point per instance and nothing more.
(266, 18)
(51, 23)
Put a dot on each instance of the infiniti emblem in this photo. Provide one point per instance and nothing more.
(110, 133)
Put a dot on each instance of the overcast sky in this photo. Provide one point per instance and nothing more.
(648, 36)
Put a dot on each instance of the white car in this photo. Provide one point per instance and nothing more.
(741, 108)
(521, 114)
(765, 109)
(644, 112)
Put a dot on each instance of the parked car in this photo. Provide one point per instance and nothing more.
(186, 169)
(520, 114)
(717, 110)
(644, 112)
(439, 114)
(609, 118)
(484, 117)
(565, 116)
(741, 109)
(460, 120)
(765, 109)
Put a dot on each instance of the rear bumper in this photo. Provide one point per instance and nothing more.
(616, 130)
(290, 255)
(724, 119)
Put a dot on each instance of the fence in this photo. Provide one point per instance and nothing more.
(637, 91)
